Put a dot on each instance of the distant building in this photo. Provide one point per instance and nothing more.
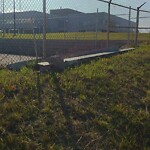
(69, 20)
(62, 20)
(23, 20)
(64, 12)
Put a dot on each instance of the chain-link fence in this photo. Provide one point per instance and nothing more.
(39, 28)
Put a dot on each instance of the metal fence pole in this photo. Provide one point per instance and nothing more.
(137, 24)
(20, 6)
(44, 28)
(96, 29)
(14, 6)
(34, 39)
(129, 25)
(108, 23)
(3, 18)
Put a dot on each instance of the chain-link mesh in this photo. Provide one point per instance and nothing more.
(71, 29)
(144, 27)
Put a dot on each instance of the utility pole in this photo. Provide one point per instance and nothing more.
(137, 24)
(129, 25)
(44, 29)
(108, 23)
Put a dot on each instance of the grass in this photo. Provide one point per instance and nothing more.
(80, 36)
(100, 105)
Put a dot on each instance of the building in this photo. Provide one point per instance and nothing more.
(67, 20)
(62, 20)
(23, 21)
(64, 12)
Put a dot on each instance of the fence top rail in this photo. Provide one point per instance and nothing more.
(123, 6)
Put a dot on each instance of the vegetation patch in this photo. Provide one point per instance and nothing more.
(80, 36)
(100, 105)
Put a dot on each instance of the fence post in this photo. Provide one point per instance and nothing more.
(20, 9)
(96, 29)
(14, 6)
(44, 28)
(108, 23)
(129, 25)
(3, 18)
(137, 24)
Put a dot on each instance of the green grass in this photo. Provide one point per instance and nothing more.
(80, 36)
(100, 105)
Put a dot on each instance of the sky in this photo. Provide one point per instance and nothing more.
(81, 5)
(86, 6)
(91, 5)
